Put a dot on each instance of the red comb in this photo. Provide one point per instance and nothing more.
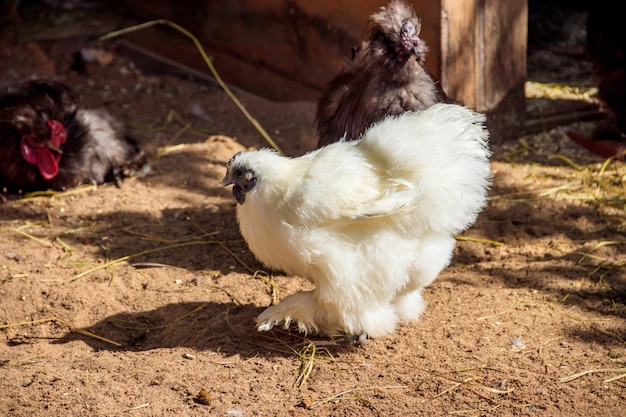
(57, 133)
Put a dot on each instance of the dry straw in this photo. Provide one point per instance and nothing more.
(207, 60)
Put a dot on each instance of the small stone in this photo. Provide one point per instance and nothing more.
(204, 397)
(14, 256)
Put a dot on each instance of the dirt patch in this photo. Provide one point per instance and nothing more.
(141, 300)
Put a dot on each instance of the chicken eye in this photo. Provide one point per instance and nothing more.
(238, 173)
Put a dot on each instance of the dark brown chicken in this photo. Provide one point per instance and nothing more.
(386, 76)
(47, 142)
(606, 45)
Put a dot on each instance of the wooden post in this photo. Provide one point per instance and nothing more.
(483, 59)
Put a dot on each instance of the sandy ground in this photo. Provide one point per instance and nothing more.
(141, 300)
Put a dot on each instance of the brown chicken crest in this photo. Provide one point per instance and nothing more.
(386, 76)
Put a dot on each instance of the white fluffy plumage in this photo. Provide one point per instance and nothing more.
(369, 222)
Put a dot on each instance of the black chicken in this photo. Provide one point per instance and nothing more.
(47, 142)
(386, 76)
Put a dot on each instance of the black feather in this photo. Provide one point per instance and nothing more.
(97, 148)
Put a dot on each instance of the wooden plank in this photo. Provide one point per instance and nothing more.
(300, 42)
(289, 50)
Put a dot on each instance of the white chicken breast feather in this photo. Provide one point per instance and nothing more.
(369, 222)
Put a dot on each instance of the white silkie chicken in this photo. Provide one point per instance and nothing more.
(370, 222)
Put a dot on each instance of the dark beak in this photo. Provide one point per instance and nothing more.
(243, 180)
(241, 189)
(227, 180)
(54, 148)
(238, 192)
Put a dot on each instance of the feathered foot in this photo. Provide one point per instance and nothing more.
(299, 308)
